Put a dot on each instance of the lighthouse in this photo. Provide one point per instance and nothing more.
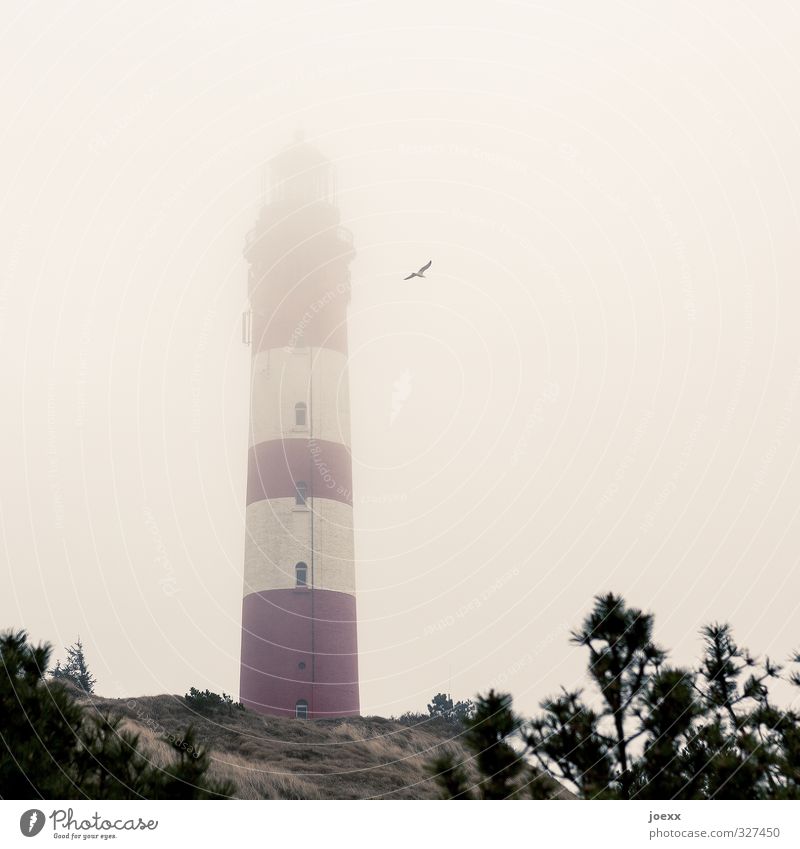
(299, 644)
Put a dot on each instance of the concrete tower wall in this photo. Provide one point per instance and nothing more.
(299, 645)
(283, 378)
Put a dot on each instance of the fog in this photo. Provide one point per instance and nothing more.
(596, 387)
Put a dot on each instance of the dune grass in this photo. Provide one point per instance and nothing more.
(276, 758)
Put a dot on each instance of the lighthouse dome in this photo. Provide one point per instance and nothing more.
(301, 175)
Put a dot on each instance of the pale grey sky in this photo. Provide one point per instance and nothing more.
(597, 388)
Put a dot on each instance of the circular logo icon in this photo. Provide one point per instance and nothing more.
(31, 822)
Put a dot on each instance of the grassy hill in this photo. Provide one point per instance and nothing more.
(273, 758)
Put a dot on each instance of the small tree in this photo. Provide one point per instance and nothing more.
(652, 731)
(411, 718)
(490, 735)
(53, 747)
(592, 748)
(205, 700)
(76, 669)
(662, 732)
(442, 707)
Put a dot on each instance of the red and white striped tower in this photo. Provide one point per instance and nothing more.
(299, 650)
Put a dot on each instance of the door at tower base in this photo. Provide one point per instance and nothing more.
(299, 651)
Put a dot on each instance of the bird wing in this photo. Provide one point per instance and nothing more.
(409, 276)
(425, 267)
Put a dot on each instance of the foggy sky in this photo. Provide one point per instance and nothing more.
(597, 388)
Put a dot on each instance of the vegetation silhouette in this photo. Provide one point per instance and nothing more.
(651, 731)
(53, 747)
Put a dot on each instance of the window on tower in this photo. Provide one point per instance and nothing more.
(300, 414)
(301, 575)
(301, 709)
(300, 494)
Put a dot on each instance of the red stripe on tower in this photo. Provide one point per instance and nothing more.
(323, 468)
(299, 631)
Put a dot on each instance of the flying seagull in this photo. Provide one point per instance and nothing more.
(421, 272)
